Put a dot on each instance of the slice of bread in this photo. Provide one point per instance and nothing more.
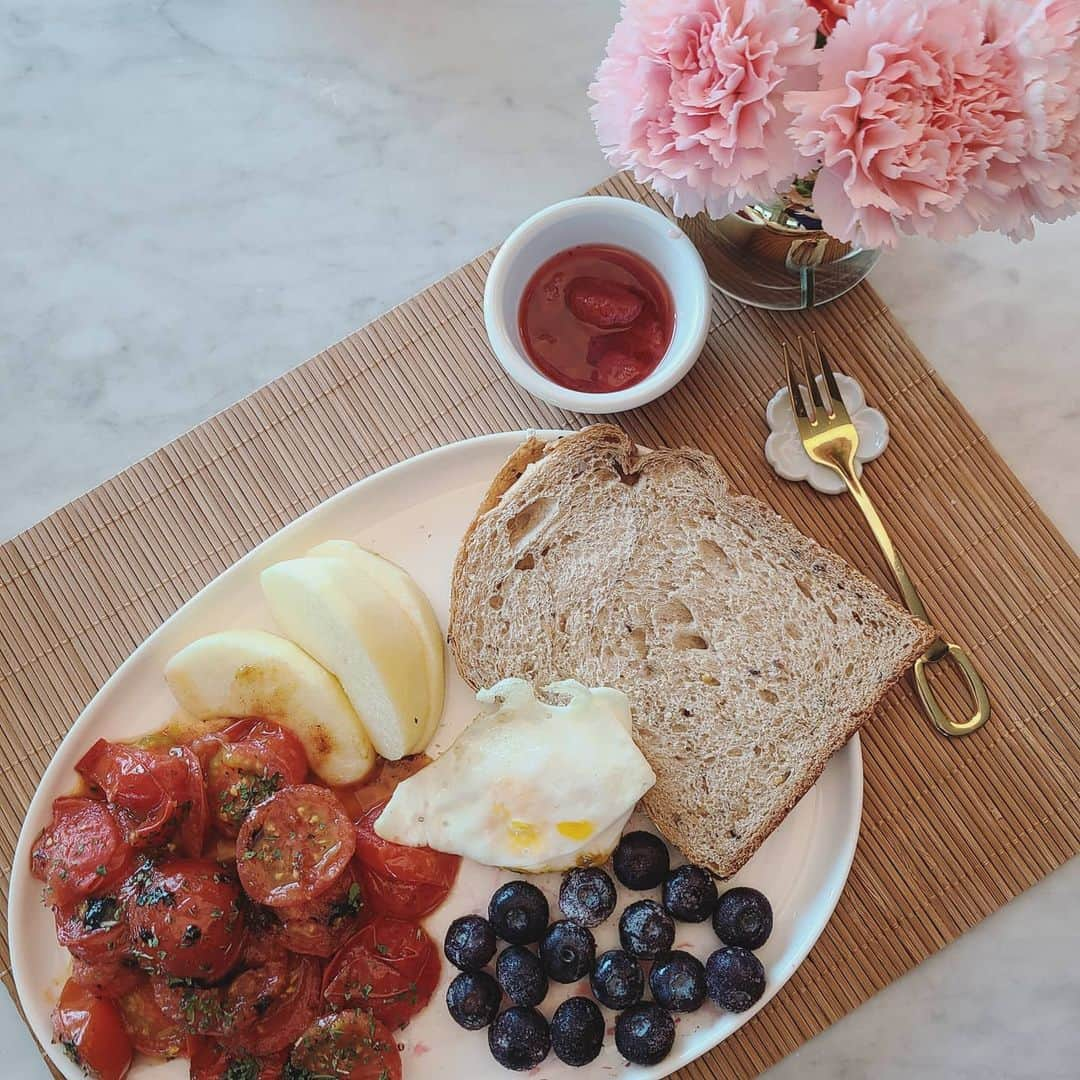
(750, 653)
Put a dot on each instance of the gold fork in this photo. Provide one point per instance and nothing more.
(830, 439)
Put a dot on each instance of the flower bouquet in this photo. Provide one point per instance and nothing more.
(798, 137)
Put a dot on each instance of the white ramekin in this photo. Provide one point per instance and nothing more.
(598, 219)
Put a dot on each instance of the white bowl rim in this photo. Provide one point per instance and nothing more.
(695, 306)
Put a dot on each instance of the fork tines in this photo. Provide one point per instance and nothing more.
(830, 403)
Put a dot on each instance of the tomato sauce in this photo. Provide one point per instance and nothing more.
(221, 903)
(596, 318)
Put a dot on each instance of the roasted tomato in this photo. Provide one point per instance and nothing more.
(389, 967)
(155, 794)
(192, 810)
(294, 846)
(352, 1045)
(91, 1032)
(212, 1061)
(199, 1010)
(94, 929)
(270, 1006)
(263, 942)
(318, 927)
(186, 919)
(150, 1030)
(254, 759)
(404, 881)
(106, 978)
(82, 852)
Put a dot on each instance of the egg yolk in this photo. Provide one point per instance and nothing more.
(576, 830)
(522, 834)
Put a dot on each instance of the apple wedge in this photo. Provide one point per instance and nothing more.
(358, 632)
(252, 673)
(413, 600)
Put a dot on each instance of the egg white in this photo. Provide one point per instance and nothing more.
(528, 785)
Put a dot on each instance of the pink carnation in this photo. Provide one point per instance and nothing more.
(1045, 37)
(938, 118)
(690, 97)
(832, 11)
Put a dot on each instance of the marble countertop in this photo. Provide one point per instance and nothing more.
(197, 195)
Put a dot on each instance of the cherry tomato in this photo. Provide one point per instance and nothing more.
(91, 1032)
(274, 739)
(192, 810)
(198, 1010)
(94, 929)
(186, 919)
(136, 783)
(351, 1045)
(263, 942)
(390, 967)
(399, 880)
(82, 852)
(106, 978)
(255, 758)
(150, 1030)
(318, 927)
(212, 1061)
(294, 846)
(272, 1005)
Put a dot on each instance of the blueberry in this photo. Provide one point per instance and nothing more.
(519, 1039)
(677, 981)
(641, 860)
(645, 1034)
(473, 999)
(519, 912)
(646, 930)
(617, 980)
(735, 978)
(743, 917)
(470, 942)
(521, 975)
(689, 893)
(577, 1031)
(568, 950)
(587, 896)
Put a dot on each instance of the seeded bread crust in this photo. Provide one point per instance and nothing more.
(749, 652)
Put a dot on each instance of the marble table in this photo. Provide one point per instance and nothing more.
(198, 194)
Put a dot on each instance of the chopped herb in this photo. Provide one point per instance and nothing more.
(237, 801)
(191, 935)
(242, 1068)
(348, 905)
(101, 913)
(382, 950)
(158, 894)
(100, 870)
(72, 1051)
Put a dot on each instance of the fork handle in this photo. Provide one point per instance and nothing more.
(940, 649)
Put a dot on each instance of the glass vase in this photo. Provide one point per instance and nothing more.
(776, 255)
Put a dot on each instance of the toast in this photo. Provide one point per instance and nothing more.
(750, 653)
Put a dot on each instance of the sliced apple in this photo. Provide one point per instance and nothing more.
(253, 673)
(355, 629)
(414, 602)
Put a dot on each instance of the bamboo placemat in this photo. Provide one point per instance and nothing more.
(951, 829)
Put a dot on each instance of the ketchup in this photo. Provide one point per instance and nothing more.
(596, 318)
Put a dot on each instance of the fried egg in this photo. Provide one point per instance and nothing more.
(529, 785)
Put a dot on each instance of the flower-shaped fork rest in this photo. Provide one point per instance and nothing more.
(784, 449)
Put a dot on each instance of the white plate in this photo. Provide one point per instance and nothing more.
(415, 513)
